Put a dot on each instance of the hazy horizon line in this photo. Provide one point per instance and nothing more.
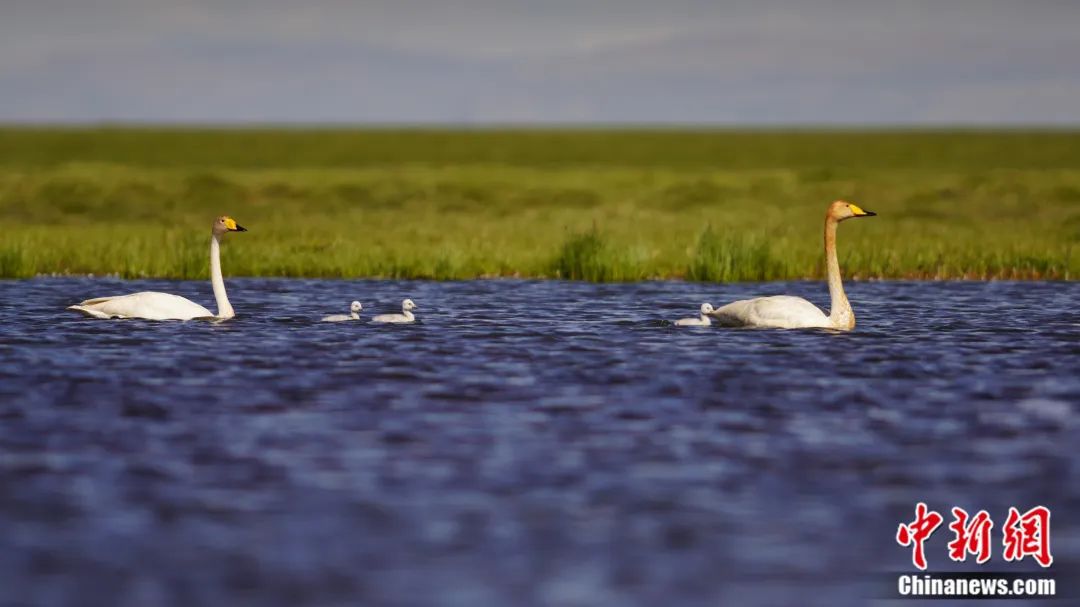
(536, 125)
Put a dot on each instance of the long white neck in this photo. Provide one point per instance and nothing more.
(840, 314)
(224, 308)
(408, 314)
(705, 320)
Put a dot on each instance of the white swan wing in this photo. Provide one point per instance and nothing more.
(778, 311)
(692, 322)
(337, 318)
(149, 305)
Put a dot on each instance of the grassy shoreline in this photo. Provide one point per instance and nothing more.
(590, 205)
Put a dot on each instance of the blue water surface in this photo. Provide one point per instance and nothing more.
(526, 443)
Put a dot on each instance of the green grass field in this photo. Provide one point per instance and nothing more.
(585, 204)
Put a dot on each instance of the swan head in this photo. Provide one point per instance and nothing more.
(408, 305)
(841, 210)
(225, 224)
(706, 308)
(355, 307)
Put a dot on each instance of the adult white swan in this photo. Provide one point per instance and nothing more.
(152, 305)
(354, 314)
(702, 320)
(406, 315)
(788, 312)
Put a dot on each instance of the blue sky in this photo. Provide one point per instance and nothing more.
(761, 62)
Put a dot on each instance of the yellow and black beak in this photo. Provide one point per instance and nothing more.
(232, 226)
(860, 212)
(240, 228)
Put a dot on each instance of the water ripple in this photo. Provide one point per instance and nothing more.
(528, 441)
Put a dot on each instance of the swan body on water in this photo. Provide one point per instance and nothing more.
(354, 314)
(701, 321)
(152, 305)
(789, 312)
(406, 315)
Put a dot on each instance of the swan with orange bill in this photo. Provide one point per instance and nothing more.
(152, 305)
(788, 312)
